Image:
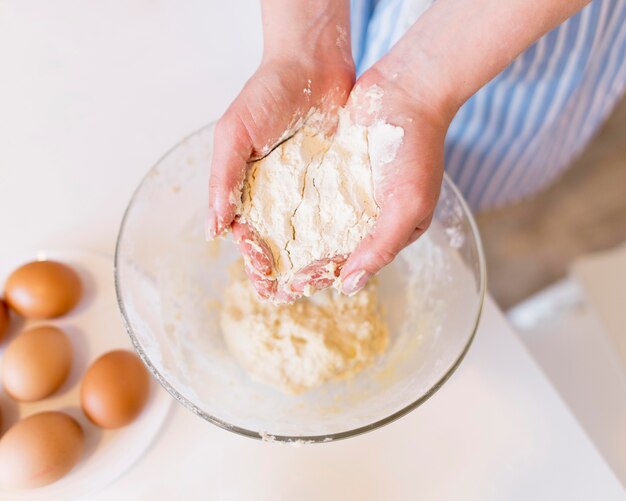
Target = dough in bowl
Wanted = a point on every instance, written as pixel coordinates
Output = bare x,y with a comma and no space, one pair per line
297,347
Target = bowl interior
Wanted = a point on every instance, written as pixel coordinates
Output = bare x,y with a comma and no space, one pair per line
170,281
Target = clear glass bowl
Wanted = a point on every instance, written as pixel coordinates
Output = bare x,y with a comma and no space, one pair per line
169,283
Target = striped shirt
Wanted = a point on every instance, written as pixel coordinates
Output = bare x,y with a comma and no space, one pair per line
520,131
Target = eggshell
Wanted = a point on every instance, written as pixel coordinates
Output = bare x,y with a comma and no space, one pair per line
115,389
39,450
4,320
36,363
43,289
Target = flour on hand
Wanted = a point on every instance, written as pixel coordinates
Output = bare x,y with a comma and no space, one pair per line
313,197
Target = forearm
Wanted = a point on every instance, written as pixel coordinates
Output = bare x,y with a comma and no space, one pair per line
458,46
318,29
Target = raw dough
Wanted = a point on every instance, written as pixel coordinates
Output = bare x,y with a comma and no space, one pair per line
299,346
313,197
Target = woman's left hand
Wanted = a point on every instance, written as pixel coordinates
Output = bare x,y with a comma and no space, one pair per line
407,188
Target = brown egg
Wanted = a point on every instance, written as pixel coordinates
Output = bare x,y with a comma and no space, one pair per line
43,289
36,363
4,320
115,389
39,450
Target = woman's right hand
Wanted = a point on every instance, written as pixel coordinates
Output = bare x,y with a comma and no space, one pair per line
307,64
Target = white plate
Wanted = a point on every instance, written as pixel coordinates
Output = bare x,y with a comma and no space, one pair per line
94,327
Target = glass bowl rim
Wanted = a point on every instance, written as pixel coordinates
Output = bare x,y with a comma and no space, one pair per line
260,435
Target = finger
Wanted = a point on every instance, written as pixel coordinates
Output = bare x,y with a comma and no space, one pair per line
254,249
393,231
317,276
232,148
283,295
417,232
258,261
264,287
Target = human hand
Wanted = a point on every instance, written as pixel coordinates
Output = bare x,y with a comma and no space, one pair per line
449,53
407,188
307,65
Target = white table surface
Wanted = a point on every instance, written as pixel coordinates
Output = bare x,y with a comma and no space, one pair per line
91,94
575,331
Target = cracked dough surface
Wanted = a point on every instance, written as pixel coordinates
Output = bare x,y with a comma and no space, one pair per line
313,197
299,346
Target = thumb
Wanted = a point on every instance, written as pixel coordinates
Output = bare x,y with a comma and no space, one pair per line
232,148
258,261
395,229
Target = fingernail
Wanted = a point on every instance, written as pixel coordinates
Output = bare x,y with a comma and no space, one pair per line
210,228
354,282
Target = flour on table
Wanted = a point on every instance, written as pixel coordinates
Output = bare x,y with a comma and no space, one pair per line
300,346
313,197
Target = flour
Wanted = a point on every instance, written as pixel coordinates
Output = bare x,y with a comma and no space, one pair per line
313,197
307,89
300,346
383,142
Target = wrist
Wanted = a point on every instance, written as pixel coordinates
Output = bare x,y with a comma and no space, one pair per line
425,79
456,47
315,33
